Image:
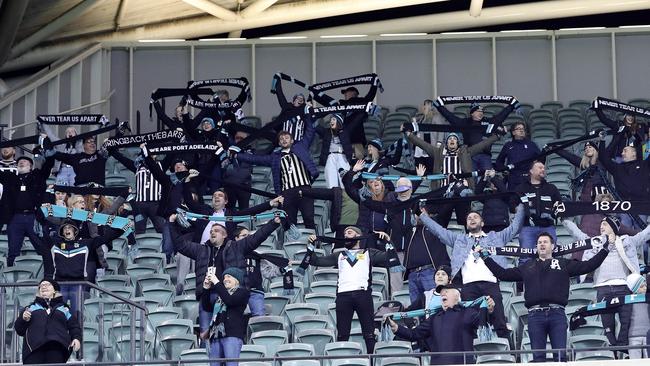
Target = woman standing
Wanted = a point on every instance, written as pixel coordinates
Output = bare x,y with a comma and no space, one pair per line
50,329
227,328
332,155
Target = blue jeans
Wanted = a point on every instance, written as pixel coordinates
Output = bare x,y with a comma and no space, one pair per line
481,162
227,347
20,226
256,303
528,237
65,176
75,295
167,243
551,323
419,282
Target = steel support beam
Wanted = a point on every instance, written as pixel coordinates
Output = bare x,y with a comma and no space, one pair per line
11,14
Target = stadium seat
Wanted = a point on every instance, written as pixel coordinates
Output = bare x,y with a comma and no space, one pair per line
317,337
252,351
350,362
256,363
400,361
140,270
324,286
402,296
188,304
33,262
343,349
301,363
393,347
176,343
588,341
153,280
497,359
304,322
326,274
292,247
293,310
195,354
157,260
294,350
593,327
579,299
269,322
161,294
15,274
91,348
162,314
594,355
277,302
113,281
270,338
321,299
494,344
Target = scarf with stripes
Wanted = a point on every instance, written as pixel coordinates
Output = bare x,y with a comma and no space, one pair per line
608,305
604,103
72,119
158,137
113,221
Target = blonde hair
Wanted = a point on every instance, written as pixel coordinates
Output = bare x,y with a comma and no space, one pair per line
586,162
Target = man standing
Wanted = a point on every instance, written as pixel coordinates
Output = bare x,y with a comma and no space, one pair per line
477,279
610,280
293,170
546,282
519,149
89,165
541,197
449,330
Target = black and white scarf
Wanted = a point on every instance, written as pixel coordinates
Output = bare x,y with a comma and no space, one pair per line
73,119
176,148
569,209
502,99
195,101
158,137
604,103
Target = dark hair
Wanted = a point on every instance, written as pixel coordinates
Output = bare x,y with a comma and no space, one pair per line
239,230
546,234
532,164
225,194
474,211
518,123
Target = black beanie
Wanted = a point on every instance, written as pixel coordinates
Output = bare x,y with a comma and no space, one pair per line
614,223
55,284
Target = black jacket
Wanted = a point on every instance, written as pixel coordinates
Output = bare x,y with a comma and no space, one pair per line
541,198
233,318
451,330
60,325
326,135
546,281
631,179
87,167
9,181
29,198
234,254
423,249
475,136
621,140
495,210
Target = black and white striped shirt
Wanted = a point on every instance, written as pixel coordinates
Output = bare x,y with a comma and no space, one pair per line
293,171
295,126
147,189
9,166
450,165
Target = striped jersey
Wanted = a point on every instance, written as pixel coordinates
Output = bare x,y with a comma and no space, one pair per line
295,126
293,171
450,165
147,189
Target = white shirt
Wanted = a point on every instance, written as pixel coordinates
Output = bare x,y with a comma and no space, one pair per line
206,232
354,278
474,269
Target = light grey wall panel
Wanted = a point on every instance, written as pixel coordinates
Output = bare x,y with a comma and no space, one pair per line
294,60
85,84
120,82
406,71
584,67
633,66
223,62
41,99
524,69
157,68
340,60
64,91
464,67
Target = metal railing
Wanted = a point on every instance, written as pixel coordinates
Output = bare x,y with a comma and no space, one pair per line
143,312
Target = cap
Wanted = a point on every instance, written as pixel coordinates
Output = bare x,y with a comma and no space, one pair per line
447,287
475,107
401,189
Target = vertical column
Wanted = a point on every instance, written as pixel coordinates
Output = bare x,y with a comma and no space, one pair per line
6,117
53,95
254,104
131,116
313,63
554,66
374,65
75,87
96,83
614,76
30,113
494,67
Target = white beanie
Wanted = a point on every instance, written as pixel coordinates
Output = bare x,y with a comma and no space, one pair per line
634,282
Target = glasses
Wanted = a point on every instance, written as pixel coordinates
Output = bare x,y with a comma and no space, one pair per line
519,129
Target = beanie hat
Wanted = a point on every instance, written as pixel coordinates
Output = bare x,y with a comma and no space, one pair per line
25,158
634,282
377,143
598,189
235,272
351,89
69,223
475,107
355,229
298,95
54,284
209,120
444,268
339,120
614,223
452,134
592,144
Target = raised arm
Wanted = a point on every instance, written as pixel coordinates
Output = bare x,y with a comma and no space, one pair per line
573,159
637,240
448,237
427,147
184,245
265,160
576,267
504,274
276,89
605,158
508,233
449,116
128,163
251,242
498,119
606,120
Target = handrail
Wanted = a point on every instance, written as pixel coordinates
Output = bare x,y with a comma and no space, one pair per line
85,283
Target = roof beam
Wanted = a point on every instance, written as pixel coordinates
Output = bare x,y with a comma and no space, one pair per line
475,8
214,9
11,14
53,26
257,7
119,14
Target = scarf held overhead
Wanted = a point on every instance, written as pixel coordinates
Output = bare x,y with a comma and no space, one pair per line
604,103
72,119
115,222
504,99
153,137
